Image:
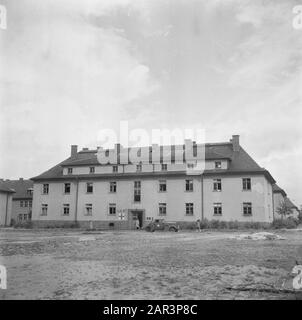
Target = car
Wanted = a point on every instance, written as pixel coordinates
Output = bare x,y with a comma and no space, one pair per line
161,224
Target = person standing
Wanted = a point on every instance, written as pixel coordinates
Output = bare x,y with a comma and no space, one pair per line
198,228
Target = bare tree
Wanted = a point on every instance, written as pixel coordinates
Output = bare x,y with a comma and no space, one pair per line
284,210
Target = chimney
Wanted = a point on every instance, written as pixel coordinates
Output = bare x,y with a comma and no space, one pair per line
235,142
74,151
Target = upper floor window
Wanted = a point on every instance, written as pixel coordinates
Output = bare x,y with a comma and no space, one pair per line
162,209
189,185
88,209
67,188
45,188
92,170
217,208
25,204
69,170
44,209
162,185
138,168
164,167
30,203
217,164
189,209
21,204
217,184
66,209
137,191
246,183
89,187
114,168
113,186
247,208
112,209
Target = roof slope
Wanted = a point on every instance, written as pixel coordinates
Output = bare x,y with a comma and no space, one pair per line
240,161
20,187
277,189
290,204
5,189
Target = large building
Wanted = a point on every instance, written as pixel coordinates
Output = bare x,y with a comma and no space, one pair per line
80,189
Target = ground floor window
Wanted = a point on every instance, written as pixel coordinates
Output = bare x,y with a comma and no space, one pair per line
88,209
189,209
247,208
44,209
23,217
66,209
162,209
112,209
217,209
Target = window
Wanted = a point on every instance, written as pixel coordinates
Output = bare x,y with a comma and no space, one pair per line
113,186
190,165
21,204
218,209
247,208
189,185
112,209
164,167
29,191
162,209
217,184
137,191
88,209
246,183
89,187
45,188
69,170
114,168
67,188
25,204
189,209
66,208
92,170
162,185
138,168
30,203
217,164
44,209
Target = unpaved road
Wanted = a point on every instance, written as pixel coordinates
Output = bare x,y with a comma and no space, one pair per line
68,264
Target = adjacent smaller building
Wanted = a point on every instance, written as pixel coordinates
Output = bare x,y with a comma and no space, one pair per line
22,199
6,197
280,197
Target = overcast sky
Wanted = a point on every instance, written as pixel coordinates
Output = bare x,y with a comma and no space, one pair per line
71,68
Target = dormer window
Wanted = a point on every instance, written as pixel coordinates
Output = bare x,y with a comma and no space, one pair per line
92,170
69,170
217,164
190,165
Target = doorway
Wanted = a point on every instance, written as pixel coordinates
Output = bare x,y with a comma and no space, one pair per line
137,215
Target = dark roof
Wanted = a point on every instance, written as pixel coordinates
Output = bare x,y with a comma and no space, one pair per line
240,163
277,189
289,203
4,188
20,188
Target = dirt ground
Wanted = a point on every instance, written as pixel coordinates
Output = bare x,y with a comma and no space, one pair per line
72,264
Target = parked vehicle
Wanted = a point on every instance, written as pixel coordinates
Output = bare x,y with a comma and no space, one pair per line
160,224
